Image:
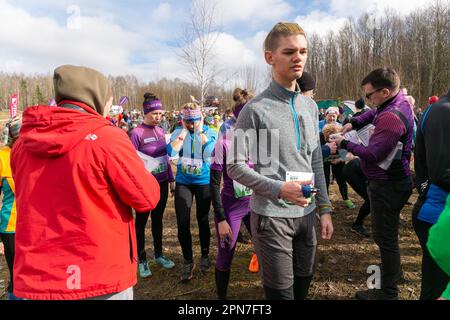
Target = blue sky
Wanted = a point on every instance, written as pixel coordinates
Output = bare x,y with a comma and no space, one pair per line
142,37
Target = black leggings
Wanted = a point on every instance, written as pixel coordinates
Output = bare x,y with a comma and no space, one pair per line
8,243
157,225
434,279
354,176
183,202
337,172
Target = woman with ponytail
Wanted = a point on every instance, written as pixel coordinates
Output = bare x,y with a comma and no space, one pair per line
193,143
149,139
232,205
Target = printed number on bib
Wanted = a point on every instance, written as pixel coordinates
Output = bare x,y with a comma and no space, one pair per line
300,177
191,166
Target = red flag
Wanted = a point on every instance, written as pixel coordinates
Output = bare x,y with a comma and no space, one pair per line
14,103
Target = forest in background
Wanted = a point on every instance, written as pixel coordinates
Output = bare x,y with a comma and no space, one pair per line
416,45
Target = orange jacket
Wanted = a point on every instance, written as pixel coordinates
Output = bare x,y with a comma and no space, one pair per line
77,178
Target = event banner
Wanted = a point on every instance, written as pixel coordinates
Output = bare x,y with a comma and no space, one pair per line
14,103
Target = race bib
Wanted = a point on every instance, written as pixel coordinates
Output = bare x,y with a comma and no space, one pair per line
162,165
298,176
241,191
150,163
191,166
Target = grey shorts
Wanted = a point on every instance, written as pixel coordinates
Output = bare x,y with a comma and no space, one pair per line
286,247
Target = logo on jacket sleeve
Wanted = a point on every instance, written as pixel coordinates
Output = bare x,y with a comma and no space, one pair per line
74,279
91,137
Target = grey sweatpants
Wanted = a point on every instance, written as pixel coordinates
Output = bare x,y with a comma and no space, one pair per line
286,247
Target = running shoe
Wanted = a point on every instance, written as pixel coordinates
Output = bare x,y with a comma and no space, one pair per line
187,271
361,231
165,262
205,263
349,204
144,270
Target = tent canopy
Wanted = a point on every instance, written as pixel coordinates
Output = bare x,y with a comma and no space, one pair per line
325,104
347,105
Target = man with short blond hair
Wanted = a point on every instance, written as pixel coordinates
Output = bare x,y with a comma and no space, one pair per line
283,218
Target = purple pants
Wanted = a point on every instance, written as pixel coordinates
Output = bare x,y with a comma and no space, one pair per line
236,211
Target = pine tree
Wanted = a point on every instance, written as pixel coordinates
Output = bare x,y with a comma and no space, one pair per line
38,97
23,95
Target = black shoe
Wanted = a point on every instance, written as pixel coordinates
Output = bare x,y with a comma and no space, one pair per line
401,279
205,263
222,280
361,231
375,294
187,271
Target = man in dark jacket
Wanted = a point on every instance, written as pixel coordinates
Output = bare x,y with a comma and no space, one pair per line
432,168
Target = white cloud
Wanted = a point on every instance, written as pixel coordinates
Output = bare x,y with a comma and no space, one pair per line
346,8
253,11
163,12
320,22
232,52
31,44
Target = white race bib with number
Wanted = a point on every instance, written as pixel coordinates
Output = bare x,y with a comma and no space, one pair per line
191,166
300,177
150,163
241,191
162,166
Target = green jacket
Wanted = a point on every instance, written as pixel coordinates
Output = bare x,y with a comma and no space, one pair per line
438,243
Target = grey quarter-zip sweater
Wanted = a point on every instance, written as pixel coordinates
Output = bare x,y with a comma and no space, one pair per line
288,122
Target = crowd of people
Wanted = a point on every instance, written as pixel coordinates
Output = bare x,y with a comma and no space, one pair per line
80,181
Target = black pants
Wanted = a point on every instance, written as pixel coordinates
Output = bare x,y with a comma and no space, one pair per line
387,199
8,243
157,225
434,279
354,176
183,202
337,172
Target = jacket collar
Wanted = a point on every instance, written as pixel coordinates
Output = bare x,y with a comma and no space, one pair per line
390,101
282,93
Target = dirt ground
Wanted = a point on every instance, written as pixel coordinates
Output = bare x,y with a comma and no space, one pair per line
341,263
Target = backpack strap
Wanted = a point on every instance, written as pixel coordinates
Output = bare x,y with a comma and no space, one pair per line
424,117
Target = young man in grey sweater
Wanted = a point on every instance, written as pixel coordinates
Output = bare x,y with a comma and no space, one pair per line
283,221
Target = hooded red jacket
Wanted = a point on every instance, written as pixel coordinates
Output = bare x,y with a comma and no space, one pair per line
77,178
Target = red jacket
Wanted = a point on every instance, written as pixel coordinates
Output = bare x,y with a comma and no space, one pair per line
77,178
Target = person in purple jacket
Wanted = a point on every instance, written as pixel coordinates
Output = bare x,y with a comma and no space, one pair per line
386,164
232,205
149,139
